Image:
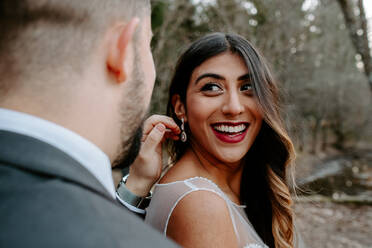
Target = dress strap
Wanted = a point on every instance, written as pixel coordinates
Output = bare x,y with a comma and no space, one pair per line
191,185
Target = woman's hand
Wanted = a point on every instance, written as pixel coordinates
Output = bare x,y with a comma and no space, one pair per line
146,169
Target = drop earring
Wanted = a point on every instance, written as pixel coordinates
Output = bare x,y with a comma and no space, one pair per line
183,136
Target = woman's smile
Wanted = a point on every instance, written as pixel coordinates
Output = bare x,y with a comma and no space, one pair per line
230,132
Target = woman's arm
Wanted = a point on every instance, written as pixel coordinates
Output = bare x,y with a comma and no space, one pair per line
146,169
202,219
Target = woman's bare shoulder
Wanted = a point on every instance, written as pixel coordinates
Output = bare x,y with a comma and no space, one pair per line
202,219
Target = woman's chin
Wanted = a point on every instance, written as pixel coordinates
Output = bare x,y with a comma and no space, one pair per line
231,158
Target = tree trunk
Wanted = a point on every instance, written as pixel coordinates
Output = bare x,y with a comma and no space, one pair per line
324,138
358,31
315,135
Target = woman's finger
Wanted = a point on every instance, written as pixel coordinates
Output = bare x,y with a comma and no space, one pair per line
169,134
154,138
153,120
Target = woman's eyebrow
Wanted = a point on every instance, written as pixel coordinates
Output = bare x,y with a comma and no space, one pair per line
245,77
212,75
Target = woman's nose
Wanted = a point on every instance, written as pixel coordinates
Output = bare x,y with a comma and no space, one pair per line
232,105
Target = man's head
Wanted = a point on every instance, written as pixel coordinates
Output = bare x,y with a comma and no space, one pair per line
85,65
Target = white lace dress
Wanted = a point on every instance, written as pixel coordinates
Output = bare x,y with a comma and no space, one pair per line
166,197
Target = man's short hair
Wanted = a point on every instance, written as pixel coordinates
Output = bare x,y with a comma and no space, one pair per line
44,38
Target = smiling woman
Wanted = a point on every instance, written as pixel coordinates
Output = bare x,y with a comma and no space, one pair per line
227,187
230,119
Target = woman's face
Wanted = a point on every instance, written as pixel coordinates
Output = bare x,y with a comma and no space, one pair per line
221,108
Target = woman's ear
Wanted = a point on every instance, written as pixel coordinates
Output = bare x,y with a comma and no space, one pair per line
179,107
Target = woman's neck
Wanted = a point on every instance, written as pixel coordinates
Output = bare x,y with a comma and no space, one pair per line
226,176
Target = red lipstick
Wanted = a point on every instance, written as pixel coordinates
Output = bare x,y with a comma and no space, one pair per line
231,137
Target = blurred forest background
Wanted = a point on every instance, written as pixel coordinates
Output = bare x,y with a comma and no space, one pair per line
320,54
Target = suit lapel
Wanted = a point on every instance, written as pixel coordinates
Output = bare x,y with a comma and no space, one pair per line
35,156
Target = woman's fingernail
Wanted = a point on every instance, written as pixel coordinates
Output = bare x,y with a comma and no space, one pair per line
160,127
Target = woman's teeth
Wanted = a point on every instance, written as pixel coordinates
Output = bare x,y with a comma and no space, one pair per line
230,129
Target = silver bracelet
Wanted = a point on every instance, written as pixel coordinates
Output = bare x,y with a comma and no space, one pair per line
128,197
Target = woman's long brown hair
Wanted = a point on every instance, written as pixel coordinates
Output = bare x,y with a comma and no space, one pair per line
264,189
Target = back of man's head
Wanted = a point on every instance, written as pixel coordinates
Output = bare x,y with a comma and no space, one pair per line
43,41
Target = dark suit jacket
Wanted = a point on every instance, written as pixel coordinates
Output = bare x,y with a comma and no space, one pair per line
47,199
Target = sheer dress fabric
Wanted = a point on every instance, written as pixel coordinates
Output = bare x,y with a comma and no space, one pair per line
166,197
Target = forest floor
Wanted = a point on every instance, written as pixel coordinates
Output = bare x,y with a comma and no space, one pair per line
334,225
323,222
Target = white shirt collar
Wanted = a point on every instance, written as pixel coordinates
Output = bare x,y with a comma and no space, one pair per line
80,149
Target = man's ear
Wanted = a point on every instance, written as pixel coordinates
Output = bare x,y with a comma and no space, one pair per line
179,107
118,48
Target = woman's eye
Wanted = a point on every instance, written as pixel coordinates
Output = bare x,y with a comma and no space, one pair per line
211,87
246,87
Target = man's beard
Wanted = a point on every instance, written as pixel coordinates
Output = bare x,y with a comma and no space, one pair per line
133,112
125,159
